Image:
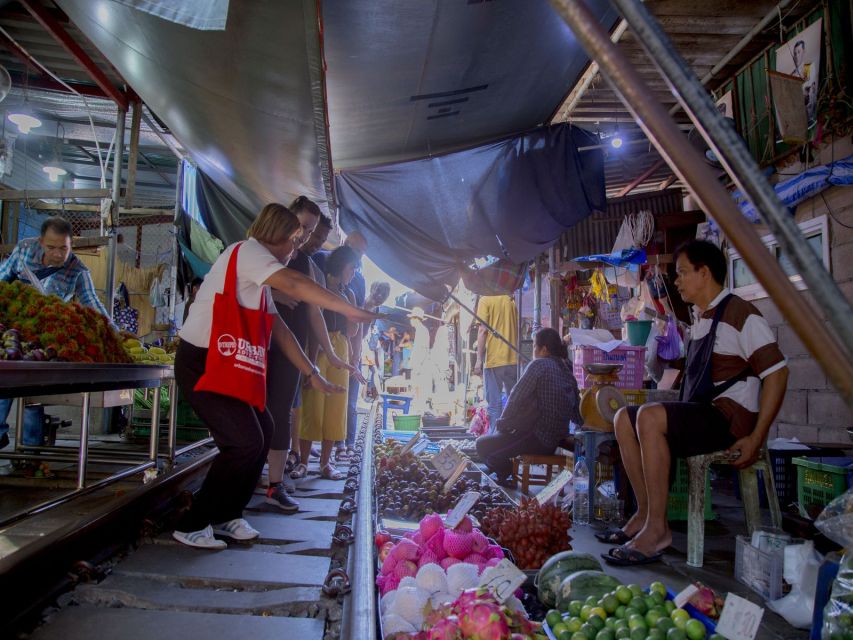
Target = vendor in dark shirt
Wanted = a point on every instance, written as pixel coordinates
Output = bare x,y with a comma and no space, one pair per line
539,409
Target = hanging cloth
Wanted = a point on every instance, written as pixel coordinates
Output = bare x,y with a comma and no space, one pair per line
236,364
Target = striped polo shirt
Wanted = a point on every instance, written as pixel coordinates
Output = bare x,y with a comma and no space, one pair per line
744,340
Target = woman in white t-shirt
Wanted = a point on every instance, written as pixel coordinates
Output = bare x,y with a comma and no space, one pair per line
241,431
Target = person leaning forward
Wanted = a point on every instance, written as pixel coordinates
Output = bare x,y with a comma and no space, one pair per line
242,430
734,383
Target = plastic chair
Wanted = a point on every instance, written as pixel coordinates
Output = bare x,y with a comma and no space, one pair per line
697,468
391,401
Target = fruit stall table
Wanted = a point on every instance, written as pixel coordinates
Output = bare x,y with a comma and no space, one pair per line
32,380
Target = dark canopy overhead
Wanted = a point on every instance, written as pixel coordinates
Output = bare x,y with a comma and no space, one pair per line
426,220
412,79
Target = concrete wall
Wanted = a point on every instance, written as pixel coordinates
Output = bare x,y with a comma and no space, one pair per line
813,410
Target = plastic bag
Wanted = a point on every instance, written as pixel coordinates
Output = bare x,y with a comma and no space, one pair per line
801,566
479,424
836,522
669,344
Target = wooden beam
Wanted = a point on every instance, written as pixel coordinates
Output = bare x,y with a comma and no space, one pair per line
37,194
55,29
628,188
94,208
666,184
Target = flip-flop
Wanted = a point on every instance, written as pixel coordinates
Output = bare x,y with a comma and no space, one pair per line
627,557
613,535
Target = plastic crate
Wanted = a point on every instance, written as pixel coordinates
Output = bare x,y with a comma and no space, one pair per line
759,570
632,358
820,480
677,504
407,422
785,471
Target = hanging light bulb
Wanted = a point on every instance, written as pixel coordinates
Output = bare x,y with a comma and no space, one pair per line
54,172
616,141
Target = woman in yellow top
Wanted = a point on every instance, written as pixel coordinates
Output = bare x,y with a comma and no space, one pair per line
324,417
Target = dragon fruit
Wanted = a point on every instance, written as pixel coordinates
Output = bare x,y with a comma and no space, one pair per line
417,538
405,568
479,542
447,629
484,620
458,545
405,550
492,562
429,525
449,562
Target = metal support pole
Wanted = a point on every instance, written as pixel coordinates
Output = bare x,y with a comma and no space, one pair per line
688,165
118,153
173,420
154,441
554,289
537,295
19,424
83,460
489,327
519,294
733,153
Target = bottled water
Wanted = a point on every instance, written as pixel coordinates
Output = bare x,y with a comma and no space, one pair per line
581,481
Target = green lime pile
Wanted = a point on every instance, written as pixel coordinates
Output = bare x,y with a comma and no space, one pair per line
627,613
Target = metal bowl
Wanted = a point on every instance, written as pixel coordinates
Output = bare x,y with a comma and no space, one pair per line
602,369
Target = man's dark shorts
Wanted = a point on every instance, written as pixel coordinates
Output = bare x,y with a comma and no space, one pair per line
692,428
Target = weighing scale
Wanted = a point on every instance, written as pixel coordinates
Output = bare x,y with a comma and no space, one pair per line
601,401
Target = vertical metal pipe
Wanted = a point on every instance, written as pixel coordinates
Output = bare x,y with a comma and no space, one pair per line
19,423
173,275
154,441
688,165
519,325
729,147
118,154
537,295
83,459
173,420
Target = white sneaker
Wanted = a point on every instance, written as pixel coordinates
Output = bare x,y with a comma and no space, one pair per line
238,529
200,539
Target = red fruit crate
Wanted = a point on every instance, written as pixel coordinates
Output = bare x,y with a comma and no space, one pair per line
632,360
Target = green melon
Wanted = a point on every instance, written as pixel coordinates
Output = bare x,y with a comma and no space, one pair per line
558,567
583,584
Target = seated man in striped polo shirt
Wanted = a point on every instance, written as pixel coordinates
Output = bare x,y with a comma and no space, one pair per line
733,385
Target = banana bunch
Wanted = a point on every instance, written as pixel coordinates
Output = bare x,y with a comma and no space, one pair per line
147,355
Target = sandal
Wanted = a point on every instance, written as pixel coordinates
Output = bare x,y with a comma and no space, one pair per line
299,472
341,454
613,535
627,557
292,461
330,473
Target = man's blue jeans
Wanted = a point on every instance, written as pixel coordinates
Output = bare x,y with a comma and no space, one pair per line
498,379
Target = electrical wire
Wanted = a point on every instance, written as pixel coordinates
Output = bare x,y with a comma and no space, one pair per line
641,226
72,90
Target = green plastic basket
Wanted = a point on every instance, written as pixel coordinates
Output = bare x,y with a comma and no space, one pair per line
820,480
676,508
407,423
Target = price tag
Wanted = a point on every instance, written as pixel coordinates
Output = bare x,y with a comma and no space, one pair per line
454,476
684,597
502,579
740,618
411,444
420,446
554,487
447,461
462,507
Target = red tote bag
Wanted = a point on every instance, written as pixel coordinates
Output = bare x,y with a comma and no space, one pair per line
236,364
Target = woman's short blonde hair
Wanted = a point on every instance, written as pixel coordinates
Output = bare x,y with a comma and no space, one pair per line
275,224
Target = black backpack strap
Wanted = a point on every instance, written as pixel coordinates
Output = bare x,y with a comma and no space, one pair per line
721,388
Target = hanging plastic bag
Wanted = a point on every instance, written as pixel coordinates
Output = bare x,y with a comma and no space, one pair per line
836,522
801,566
669,343
622,276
